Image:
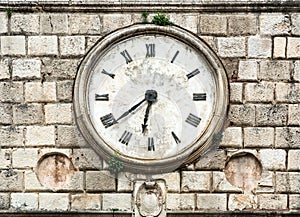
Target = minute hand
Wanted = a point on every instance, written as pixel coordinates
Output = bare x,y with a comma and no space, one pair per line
131,110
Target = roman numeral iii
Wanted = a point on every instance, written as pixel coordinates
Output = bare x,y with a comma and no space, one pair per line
126,55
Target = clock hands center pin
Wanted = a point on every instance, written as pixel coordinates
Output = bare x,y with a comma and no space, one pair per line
150,96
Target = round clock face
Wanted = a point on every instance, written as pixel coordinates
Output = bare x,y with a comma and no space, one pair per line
153,95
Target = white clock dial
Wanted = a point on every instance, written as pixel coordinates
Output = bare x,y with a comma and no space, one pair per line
150,97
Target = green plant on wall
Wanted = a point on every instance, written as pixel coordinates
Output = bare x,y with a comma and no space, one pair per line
115,165
145,17
9,12
161,20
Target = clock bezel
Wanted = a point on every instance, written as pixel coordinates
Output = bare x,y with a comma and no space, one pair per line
80,98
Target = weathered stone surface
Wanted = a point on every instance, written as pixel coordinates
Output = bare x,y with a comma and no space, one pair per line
259,47
293,160
259,137
54,23
24,201
195,181
85,24
294,114
5,158
40,92
72,45
287,182
180,202
25,23
294,201
289,93
296,75
276,70
86,158
86,202
40,136
287,137
11,92
242,114
272,201
27,114
69,136
125,182
13,45
121,201
212,160
115,21
3,22
273,159
54,201
271,115
4,68
26,68
232,137
295,24
274,24
58,113
11,136
100,181
232,47
5,114
279,47
59,68
65,90
19,161
236,92
189,21
31,181
4,201
172,181
242,24
293,47
242,201
42,45
212,202
259,92
220,183
11,180
213,24
248,70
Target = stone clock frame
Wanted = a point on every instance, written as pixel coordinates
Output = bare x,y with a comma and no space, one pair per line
164,165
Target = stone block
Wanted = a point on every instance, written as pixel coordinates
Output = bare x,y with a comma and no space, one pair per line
289,93
65,90
58,113
195,181
59,68
273,159
212,160
294,201
259,92
76,183
25,23
242,24
24,201
42,45
11,180
54,23
262,137
11,92
232,137
212,202
11,136
13,45
242,202
85,24
54,201
114,21
4,200
26,68
180,202
5,158
3,24
274,24
72,45
40,136
125,182
295,24
5,114
220,183
232,47
189,21
86,158
287,137
274,70
91,41
213,24
100,181
121,201
172,181
259,47
24,158
4,67
293,47
40,92
86,202
293,160
287,182
279,47
27,114
68,136
242,115
272,201
236,92
296,75
294,114
271,115
248,70
31,181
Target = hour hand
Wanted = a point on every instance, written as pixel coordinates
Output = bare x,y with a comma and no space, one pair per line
130,110
144,126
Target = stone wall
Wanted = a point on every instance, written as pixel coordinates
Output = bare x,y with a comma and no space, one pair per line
257,165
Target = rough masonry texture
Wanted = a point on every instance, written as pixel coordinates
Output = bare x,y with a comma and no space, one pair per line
40,50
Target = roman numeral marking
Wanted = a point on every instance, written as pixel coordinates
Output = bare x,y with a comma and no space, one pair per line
193,73
108,120
109,74
177,140
174,57
150,50
126,55
125,138
193,120
151,144
199,96
103,97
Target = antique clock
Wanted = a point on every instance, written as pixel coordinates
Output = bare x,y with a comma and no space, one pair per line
155,96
